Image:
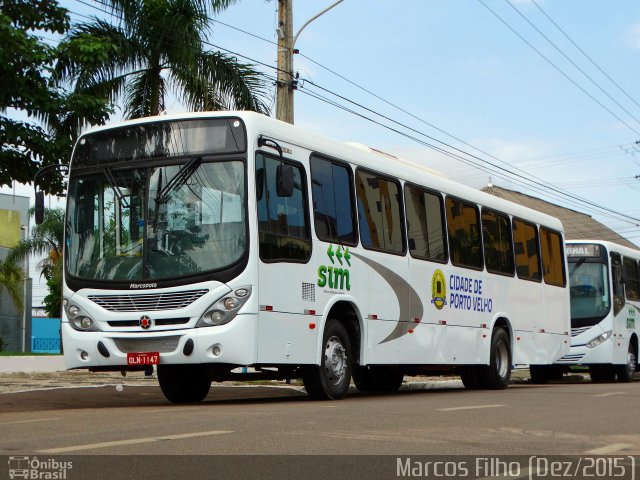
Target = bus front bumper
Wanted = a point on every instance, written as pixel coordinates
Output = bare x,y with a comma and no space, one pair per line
233,343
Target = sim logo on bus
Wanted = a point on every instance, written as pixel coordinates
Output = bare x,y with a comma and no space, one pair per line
335,276
438,289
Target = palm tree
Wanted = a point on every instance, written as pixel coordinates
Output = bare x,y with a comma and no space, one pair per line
46,239
155,46
12,279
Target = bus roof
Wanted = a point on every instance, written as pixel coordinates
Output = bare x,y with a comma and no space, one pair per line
382,162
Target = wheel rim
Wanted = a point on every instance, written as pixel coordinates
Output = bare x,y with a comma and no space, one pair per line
502,359
631,361
335,360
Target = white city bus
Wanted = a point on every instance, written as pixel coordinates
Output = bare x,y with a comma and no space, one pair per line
207,242
604,283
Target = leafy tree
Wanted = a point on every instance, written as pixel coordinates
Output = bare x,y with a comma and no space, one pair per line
153,46
12,279
46,238
54,116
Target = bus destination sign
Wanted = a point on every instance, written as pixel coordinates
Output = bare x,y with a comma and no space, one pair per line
583,250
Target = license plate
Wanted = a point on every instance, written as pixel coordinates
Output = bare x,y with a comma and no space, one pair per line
143,358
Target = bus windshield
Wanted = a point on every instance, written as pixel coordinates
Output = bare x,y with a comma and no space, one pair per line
156,222
590,296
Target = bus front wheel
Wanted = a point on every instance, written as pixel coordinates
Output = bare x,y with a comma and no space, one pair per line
602,373
330,380
184,383
625,372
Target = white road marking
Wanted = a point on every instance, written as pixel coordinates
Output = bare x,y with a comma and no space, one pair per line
607,449
472,407
131,441
609,394
33,420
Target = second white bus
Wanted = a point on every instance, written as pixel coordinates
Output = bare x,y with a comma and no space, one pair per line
604,282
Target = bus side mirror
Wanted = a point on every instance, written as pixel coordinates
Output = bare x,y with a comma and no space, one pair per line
284,180
39,207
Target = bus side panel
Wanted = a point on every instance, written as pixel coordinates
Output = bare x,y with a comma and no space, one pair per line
285,333
624,326
557,339
387,305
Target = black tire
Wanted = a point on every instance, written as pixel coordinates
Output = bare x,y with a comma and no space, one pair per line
330,380
469,377
602,373
540,374
387,379
184,383
625,372
378,378
362,379
496,375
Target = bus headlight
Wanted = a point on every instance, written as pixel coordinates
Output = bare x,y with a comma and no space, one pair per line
225,309
78,319
599,339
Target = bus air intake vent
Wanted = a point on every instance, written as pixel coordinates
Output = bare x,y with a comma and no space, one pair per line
161,344
308,292
147,302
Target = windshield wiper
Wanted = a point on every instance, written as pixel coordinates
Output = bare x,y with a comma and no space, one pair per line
178,180
576,266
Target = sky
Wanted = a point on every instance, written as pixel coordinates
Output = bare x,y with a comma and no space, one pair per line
474,74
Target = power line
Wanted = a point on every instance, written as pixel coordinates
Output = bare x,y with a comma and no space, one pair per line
584,53
570,60
504,22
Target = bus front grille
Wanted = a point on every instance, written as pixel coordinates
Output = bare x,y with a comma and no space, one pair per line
147,302
160,344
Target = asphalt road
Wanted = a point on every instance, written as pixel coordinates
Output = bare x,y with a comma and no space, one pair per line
578,419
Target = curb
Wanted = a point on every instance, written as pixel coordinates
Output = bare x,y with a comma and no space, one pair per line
32,364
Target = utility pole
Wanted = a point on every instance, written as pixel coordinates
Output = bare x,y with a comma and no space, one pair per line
286,82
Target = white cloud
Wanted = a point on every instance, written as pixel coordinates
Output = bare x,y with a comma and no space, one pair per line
633,36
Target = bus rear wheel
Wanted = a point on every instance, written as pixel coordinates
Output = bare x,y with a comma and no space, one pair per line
184,383
625,372
330,380
378,378
496,375
469,377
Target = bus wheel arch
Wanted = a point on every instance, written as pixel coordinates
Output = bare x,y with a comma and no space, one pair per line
497,374
338,353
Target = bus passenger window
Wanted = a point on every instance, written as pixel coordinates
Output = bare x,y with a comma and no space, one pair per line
380,215
333,203
525,243
498,249
282,220
632,279
552,257
463,227
425,224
